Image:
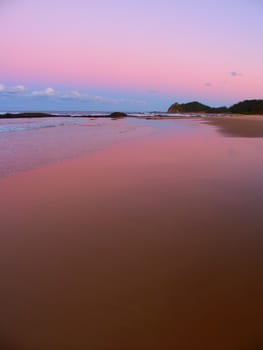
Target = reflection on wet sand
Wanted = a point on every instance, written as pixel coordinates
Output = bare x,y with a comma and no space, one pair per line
155,244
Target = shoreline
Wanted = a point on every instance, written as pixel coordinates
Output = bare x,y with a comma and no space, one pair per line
43,141
161,115
33,143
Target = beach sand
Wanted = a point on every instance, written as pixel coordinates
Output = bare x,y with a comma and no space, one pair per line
238,125
152,244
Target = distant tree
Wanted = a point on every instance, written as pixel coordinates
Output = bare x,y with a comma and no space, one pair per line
191,107
243,107
223,109
248,107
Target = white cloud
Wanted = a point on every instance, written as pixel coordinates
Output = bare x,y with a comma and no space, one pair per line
71,95
76,95
47,92
83,97
50,92
19,88
16,89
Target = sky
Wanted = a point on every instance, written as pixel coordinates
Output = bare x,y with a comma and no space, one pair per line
129,55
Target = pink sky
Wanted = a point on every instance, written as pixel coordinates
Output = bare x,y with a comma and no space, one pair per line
181,49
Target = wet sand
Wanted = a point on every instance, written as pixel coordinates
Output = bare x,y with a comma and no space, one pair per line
37,142
238,125
150,244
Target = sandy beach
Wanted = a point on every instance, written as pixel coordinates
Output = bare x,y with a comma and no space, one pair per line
149,243
131,175
238,125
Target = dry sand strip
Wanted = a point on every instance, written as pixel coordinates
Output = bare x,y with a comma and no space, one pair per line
238,125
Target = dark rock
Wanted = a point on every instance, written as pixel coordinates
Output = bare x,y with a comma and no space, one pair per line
175,108
26,115
118,115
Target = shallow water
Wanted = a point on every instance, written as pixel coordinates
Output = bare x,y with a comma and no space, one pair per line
152,243
29,143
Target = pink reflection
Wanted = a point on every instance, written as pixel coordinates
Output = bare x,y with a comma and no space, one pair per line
140,244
